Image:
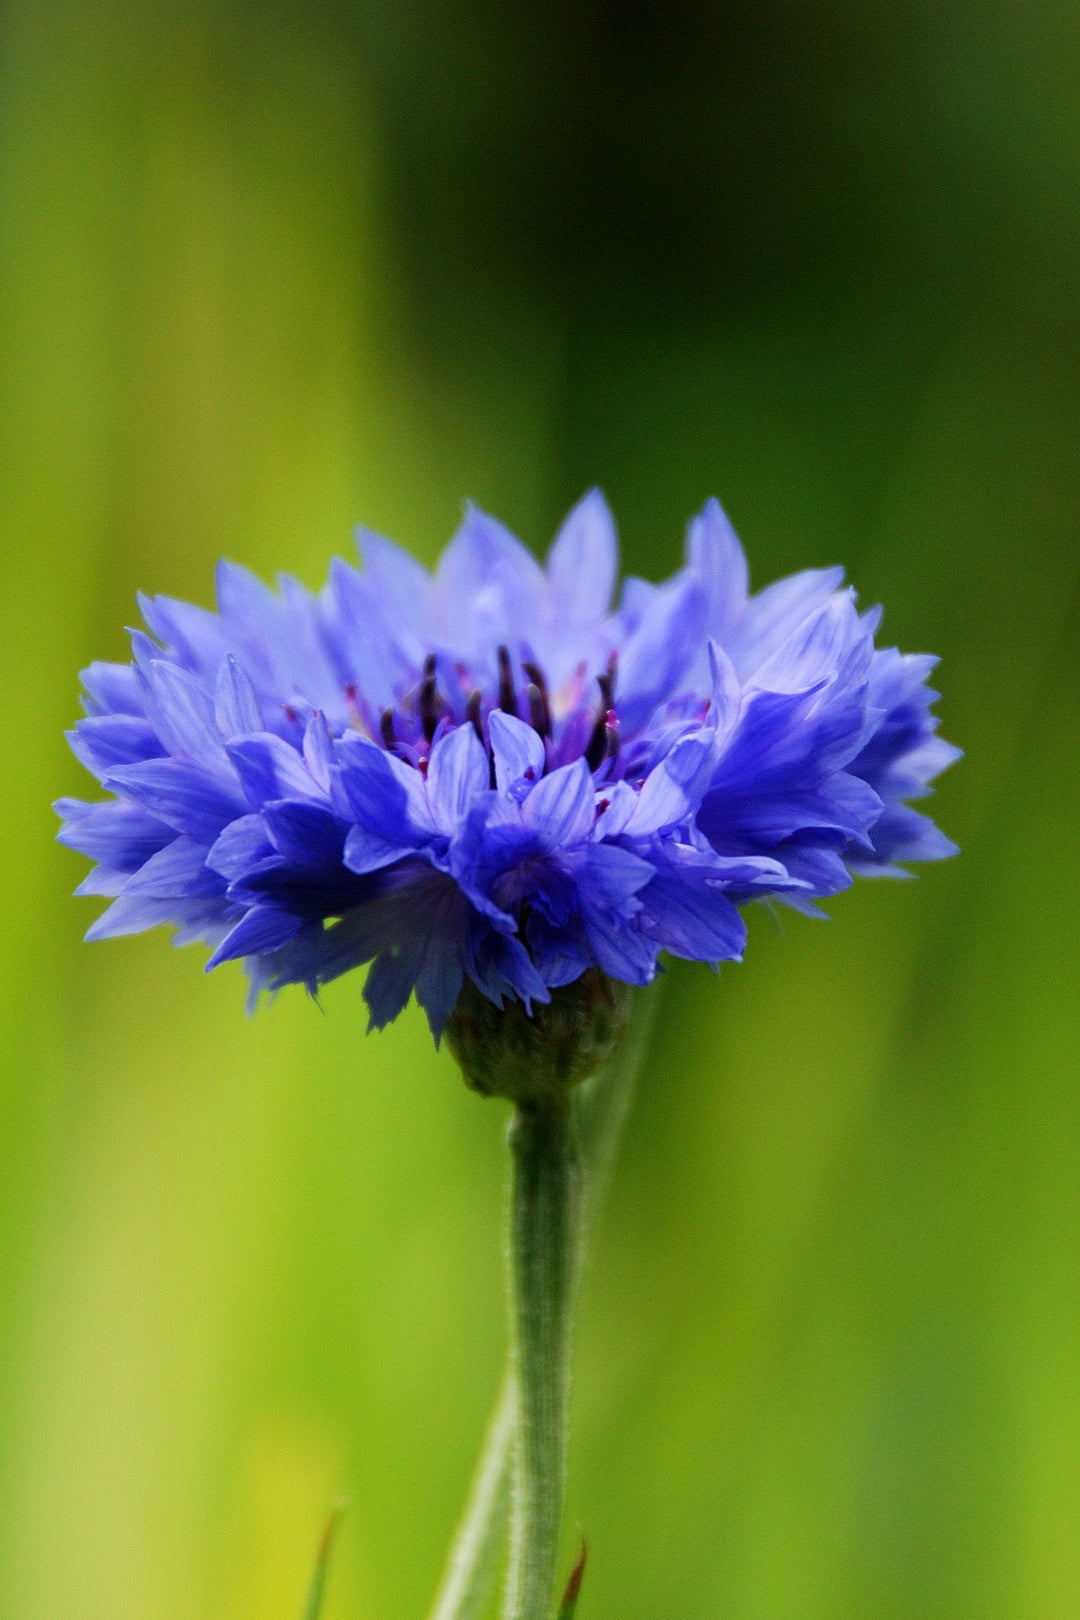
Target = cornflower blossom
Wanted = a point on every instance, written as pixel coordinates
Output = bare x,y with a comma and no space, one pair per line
490,773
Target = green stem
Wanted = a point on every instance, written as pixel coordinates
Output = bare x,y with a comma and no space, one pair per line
602,1105
544,1227
471,1569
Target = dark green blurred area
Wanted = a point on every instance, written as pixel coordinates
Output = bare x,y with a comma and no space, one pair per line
270,270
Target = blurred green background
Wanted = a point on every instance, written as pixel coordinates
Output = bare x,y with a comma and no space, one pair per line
271,269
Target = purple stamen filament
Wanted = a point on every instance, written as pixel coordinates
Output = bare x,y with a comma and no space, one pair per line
410,730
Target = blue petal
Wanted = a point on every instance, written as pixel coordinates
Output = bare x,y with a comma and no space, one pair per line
183,794
400,584
112,689
675,788
620,948
130,915
318,955
785,740
328,891
105,740
430,964
661,649
391,981
319,751
621,804
194,633
439,981
181,711
243,600
374,652
102,881
120,835
843,804
516,749
418,910
560,809
610,878
144,651
814,650
688,918
774,613
500,966
204,922
366,852
179,871
822,872
726,693
488,589
582,564
752,877
713,549
241,846
458,771
270,768
902,759
560,955
236,707
486,853
902,834
135,913
547,887
307,835
382,793
262,930
423,923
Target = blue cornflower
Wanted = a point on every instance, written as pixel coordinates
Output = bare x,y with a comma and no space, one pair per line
490,773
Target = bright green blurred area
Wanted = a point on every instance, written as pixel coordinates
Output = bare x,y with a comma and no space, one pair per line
269,270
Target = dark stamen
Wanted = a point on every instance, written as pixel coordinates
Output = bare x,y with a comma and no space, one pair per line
429,698
596,752
538,710
543,708
507,697
472,713
386,729
604,737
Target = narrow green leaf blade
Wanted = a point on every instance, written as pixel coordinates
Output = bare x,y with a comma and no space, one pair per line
573,1586
313,1606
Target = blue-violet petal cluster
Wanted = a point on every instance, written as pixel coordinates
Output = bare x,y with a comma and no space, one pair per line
491,772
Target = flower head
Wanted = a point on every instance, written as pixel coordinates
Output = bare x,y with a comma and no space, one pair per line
491,774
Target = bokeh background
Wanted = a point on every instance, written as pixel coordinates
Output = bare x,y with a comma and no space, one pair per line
271,269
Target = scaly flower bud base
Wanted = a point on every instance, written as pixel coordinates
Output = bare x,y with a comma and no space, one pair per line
503,1052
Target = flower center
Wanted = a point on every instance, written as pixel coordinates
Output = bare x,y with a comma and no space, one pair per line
446,697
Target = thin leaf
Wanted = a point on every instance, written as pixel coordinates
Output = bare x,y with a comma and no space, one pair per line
470,1573
573,1586
313,1607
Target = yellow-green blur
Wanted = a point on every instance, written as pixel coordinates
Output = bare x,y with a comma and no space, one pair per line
267,270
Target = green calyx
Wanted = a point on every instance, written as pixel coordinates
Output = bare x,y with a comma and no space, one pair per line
503,1052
